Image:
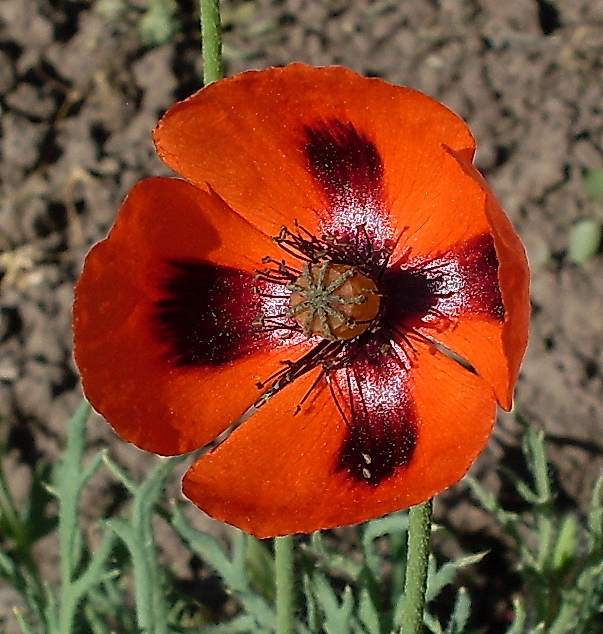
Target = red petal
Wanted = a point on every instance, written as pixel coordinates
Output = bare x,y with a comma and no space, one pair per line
267,141
514,282
494,347
281,472
135,370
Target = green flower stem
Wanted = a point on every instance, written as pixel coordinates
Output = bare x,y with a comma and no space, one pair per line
211,41
419,531
285,604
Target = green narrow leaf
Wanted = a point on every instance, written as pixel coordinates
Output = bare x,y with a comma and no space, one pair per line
259,562
595,516
96,567
388,525
535,453
519,620
368,612
120,474
98,625
399,547
394,525
37,517
431,623
490,503
137,534
144,575
347,607
8,569
68,487
312,611
106,600
338,621
446,574
203,544
565,621
565,548
327,560
234,573
460,613
336,615
24,528
325,596
11,523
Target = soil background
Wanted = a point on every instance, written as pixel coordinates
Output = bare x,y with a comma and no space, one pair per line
83,83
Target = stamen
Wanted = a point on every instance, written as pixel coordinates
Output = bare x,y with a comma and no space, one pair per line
335,296
355,249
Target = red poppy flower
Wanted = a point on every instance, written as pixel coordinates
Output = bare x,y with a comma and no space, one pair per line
333,264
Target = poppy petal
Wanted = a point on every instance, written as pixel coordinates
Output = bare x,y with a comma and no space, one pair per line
513,281
163,318
299,475
313,145
468,273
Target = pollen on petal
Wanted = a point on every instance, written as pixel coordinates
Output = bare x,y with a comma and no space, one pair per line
206,314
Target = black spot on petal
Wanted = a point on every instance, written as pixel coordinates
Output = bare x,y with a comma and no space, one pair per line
345,163
478,266
409,295
206,314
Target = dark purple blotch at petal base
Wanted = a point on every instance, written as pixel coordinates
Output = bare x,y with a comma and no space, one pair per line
206,315
462,281
372,394
478,266
345,163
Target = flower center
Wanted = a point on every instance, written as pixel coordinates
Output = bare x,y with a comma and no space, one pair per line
333,301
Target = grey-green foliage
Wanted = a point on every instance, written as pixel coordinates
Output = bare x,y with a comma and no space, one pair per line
337,593
90,594
560,556
53,610
119,584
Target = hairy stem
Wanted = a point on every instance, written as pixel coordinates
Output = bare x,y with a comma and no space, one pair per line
211,41
285,604
419,530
